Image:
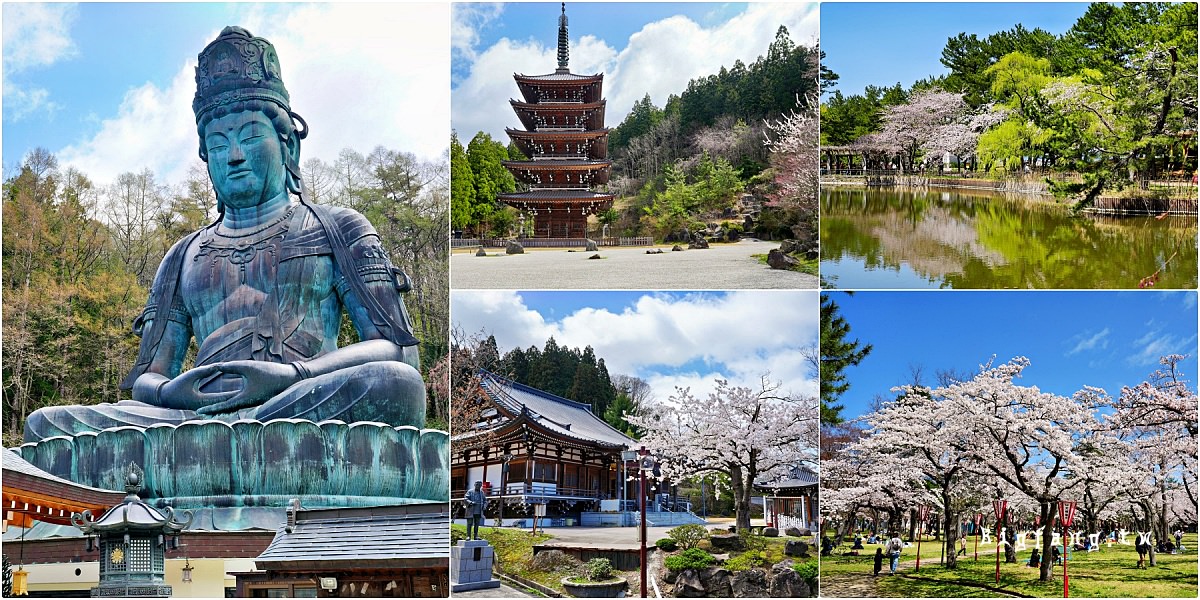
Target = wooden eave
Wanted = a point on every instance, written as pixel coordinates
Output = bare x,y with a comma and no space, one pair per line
28,498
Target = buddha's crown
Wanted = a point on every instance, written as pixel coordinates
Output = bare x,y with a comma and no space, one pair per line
236,67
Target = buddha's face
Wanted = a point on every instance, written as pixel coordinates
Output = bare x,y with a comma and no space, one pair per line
245,159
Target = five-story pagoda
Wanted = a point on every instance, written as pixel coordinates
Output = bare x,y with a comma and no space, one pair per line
567,143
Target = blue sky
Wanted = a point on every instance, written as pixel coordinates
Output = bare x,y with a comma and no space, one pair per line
107,87
686,339
642,48
1072,339
885,43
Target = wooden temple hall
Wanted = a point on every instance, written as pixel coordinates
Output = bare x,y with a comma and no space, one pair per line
533,448
567,145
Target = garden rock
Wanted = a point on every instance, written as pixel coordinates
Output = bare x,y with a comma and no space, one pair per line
716,582
591,246
688,585
481,252
698,244
676,248
789,246
796,548
781,261
813,253
594,257
513,247
750,584
794,532
787,583
553,561
726,542
770,532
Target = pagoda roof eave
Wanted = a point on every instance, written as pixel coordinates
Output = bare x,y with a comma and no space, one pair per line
554,165
559,105
587,133
559,78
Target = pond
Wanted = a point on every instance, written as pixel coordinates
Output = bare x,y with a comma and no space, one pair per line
905,238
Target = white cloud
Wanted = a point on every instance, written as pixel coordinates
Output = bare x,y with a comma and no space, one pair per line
1158,342
465,22
659,59
356,80
35,35
672,340
1099,340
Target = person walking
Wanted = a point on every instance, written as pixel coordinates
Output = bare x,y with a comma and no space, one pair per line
878,560
893,548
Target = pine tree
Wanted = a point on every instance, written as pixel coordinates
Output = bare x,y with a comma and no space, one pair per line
836,355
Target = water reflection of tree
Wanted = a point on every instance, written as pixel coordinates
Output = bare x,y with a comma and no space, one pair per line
992,241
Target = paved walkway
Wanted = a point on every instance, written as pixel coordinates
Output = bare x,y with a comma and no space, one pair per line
503,591
614,538
720,267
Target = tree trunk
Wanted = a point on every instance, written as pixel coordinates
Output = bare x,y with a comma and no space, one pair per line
741,498
1046,510
912,525
950,525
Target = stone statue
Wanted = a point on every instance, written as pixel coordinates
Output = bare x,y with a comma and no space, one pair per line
263,289
474,500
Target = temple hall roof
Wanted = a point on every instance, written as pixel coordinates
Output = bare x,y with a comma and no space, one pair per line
407,536
565,417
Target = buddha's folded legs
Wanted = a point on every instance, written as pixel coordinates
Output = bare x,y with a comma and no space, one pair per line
73,420
386,392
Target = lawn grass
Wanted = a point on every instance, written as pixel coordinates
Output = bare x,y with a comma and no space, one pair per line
1107,573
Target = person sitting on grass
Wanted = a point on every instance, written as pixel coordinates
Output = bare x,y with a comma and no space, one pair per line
1055,555
858,543
826,546
1035,559
878,561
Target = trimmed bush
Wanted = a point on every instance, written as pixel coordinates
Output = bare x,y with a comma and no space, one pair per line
692,558
667,545
688,536
598,569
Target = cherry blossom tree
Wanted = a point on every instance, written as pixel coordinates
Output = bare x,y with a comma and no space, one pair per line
794,141
746,434
912,126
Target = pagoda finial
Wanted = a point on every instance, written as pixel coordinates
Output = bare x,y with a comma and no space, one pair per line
563,41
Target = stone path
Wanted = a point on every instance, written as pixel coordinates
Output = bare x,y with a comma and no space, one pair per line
720,267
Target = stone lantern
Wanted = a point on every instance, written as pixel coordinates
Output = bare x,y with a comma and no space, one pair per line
133,538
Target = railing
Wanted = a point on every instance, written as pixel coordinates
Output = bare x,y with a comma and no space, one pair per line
535,489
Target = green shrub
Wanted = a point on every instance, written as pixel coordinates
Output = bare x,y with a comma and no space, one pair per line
667,544
687,536
746,561
598,569
807,570
692,558
752,541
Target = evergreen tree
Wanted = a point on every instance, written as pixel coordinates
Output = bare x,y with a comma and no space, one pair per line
837,353
462,186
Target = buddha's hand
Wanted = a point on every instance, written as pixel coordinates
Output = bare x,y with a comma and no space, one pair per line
261,381
184,390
